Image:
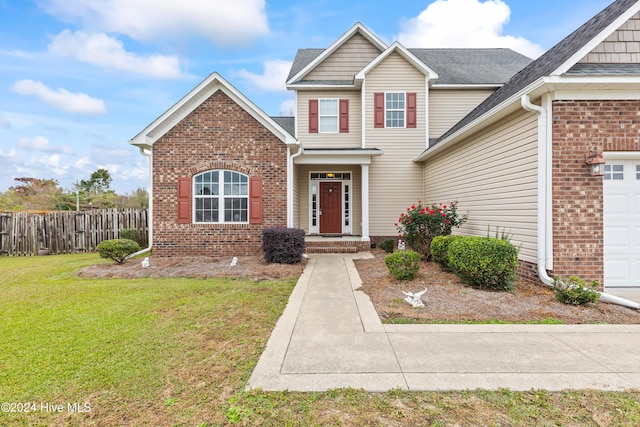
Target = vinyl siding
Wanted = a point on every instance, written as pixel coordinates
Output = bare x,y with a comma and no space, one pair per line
346,61
448,107
352,139
621,47
493,175
395,182
304,200
296,196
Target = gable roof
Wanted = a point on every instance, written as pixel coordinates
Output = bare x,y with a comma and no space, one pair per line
303,70
558,57
406,54
213,83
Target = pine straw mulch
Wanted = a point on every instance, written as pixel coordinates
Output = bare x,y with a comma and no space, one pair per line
251,267
447,299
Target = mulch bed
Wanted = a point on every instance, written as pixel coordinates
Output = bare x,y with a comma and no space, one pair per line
447,299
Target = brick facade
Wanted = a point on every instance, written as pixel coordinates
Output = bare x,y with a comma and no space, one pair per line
218,134
578,231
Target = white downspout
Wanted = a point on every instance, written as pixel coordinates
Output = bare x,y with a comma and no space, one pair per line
543,179
290,183
148,154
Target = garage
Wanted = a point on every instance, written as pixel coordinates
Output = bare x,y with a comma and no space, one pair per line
622,220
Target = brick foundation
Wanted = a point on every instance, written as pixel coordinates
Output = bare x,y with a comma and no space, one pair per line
218,134
579,126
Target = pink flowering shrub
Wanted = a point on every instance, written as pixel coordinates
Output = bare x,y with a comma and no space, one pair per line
421,223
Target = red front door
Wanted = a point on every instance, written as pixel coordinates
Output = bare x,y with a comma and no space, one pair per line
331,207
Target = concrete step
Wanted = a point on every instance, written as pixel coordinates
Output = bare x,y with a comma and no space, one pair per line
331,249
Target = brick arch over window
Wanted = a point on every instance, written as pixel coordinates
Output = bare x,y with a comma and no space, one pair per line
221,164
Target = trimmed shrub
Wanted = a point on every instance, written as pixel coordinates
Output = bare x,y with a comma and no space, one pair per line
440,250
421,223
388,245
132,234
117,249
283,245
575,292
484,262
403,265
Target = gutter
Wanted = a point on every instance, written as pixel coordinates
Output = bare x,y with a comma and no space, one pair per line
544,202
148,153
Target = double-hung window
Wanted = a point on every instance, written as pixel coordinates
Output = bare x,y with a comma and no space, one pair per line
221,196
395,110
394,107
328,115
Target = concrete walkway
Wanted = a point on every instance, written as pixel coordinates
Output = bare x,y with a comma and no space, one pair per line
330,336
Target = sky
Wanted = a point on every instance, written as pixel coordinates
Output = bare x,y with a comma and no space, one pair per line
80,78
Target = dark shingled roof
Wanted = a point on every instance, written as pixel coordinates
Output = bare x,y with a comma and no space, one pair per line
454,66
302,59
472,66
587,69
287,123
547,63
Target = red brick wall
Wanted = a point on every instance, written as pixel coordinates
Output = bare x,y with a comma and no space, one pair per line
218,134
579,126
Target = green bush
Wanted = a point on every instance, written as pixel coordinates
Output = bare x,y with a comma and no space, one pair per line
132,234
117,249
484,262
440,250
388,245
575,292
403,265
421,223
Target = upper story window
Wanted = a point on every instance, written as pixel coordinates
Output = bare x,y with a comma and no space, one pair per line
220,196
328,115
394,109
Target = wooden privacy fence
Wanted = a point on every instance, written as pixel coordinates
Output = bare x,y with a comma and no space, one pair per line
63,232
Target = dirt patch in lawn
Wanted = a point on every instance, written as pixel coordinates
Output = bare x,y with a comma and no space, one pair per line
252,267
448,300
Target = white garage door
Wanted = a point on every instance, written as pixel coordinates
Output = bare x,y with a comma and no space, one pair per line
622,223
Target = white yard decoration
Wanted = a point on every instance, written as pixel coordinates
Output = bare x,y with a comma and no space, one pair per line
401,245
234,261
145,262
415,299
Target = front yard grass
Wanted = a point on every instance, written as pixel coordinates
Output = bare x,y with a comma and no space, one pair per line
178,352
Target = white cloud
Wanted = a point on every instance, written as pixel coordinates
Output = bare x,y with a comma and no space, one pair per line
42,144
464,23
61,99
274,76
4,122
225,22
288,108
107,52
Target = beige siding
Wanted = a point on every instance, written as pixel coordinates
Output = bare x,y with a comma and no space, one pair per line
296,196
447,107
346,61
330,140
395,182
621,47
493,175
356,194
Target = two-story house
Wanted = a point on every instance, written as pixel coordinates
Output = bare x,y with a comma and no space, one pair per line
377,127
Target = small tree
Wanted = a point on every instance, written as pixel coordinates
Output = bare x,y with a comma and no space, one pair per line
421,223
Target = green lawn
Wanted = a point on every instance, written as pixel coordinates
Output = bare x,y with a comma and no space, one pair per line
165,352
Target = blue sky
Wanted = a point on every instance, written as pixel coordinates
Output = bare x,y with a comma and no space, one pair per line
80,78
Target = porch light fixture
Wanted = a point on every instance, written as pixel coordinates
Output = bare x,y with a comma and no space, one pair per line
595,160
331,175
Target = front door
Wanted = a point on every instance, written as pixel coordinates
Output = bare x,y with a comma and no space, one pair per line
331,207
